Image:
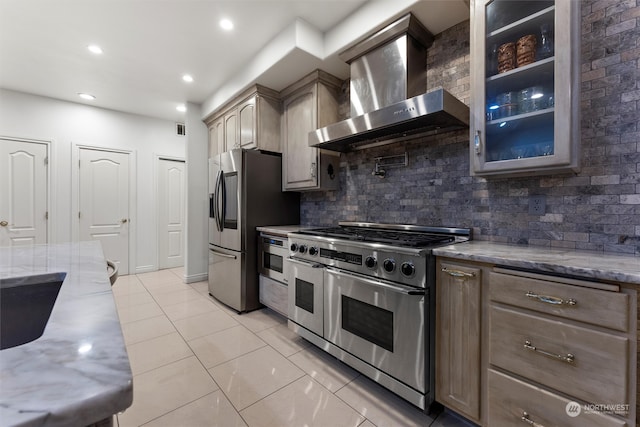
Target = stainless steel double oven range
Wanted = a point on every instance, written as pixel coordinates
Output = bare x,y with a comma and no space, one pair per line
365,293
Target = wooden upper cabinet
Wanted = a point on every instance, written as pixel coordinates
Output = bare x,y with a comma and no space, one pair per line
309,104
525,84
216,138
251,120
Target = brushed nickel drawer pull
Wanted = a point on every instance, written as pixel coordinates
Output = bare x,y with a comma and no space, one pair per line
457,273
525,418
569,358
551,300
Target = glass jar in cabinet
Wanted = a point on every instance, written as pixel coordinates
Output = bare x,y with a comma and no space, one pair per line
525,91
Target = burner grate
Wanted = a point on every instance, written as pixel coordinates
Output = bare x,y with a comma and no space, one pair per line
398,238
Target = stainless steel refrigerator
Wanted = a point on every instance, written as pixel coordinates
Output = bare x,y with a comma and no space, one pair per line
245,191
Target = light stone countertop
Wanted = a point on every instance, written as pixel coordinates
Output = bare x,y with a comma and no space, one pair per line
586,264
77,373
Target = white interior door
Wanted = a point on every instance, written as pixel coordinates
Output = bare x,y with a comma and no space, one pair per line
23,192
104,203
171,209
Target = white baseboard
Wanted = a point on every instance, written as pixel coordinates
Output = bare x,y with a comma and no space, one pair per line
192,278
146,269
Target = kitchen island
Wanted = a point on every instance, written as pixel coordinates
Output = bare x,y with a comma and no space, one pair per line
77,373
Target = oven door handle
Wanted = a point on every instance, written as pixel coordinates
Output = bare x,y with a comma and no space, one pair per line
306,263
401,289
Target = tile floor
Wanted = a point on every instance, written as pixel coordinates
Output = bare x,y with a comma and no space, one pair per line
197,363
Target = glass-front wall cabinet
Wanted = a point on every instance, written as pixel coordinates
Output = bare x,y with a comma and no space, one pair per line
525,91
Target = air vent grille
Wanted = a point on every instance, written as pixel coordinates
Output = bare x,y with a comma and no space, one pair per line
181,129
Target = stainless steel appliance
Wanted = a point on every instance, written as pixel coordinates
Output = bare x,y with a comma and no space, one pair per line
365,293
245,191
387,84
273,263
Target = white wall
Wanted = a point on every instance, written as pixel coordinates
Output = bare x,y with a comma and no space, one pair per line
66,124
196,262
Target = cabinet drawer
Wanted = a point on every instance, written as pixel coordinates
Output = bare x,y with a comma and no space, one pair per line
540,349
597,307
510,399
274,295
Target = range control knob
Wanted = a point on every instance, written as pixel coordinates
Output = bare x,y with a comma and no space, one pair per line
313,250
370,262
408,269
389,265
294,247
302,249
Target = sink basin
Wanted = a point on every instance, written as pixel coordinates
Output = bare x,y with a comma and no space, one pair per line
25,307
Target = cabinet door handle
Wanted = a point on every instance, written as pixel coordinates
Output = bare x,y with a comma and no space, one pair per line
525,419
3,223
569,358
477,143
457,273
551,300
313,170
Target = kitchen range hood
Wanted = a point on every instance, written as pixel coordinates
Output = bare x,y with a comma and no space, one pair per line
388,103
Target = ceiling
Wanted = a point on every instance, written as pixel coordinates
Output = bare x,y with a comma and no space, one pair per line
149,44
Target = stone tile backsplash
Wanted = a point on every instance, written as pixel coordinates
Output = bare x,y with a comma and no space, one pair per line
596,209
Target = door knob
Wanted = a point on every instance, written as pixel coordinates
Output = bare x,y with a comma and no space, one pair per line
4,223
123,220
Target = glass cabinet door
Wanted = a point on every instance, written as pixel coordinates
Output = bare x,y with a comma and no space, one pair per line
518,123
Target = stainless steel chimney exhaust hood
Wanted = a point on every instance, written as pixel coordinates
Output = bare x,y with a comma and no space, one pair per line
388,78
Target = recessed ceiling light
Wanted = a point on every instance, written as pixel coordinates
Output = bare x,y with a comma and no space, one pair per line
86,96
94,48
187,78
182,108
226,24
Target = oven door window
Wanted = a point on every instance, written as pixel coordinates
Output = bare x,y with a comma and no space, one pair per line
273,262
304,295
367,321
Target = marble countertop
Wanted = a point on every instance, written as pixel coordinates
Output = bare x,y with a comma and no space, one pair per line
586,264
281,230
77,372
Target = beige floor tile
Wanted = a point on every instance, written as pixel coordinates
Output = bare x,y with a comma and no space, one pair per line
225,345
189,308
323,368
162,287
178,271
158,277
127,285
380,406
147,355
158,392
249,378
204,324
146,329
301,403
283,339
212,410
200,287
165,299
139,312
130,300
262,319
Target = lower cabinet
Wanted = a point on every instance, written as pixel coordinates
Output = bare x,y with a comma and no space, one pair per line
526,348
458,293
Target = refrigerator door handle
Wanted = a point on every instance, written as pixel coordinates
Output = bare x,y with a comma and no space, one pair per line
223,188
223,255
216,202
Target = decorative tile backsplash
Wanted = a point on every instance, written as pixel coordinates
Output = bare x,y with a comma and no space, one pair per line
596,209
